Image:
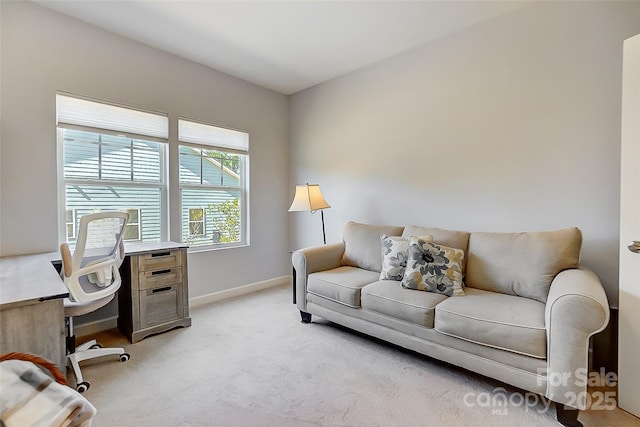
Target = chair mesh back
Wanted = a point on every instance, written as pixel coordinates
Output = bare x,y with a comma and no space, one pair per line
96,258
102,237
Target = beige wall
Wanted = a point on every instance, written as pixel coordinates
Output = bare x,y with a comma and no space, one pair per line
511,125
43,51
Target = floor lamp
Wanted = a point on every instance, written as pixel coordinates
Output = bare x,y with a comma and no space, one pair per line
309,198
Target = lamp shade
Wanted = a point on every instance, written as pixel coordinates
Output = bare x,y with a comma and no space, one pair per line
308,198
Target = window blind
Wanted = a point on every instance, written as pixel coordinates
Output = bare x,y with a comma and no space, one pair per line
96,115
199,133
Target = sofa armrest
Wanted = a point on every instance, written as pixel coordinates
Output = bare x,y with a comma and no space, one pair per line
576,308
310,260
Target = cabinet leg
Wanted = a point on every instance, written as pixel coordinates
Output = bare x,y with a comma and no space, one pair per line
306,317
567,416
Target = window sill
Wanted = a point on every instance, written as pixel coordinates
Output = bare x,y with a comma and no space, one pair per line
209,248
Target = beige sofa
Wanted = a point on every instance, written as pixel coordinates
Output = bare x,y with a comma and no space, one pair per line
525,318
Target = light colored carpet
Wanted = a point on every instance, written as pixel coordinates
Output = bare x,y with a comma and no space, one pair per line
249,361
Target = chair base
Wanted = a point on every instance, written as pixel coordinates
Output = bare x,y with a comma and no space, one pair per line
90,350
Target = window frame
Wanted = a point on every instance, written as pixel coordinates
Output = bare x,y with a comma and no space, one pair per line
161,184
70,114
73,224
129,224
242,188
202,221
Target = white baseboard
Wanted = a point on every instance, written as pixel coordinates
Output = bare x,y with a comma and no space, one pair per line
240,290
94,327
90,328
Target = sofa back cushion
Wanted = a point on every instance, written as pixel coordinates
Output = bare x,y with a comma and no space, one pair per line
362,244
522,264
450,238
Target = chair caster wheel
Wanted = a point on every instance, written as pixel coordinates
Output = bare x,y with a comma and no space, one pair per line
124,357
82,387
96,346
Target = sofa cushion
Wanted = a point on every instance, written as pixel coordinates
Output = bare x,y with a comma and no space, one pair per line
450,238
395,250
433,268
390,298
362,244
342,284
521,264
496,320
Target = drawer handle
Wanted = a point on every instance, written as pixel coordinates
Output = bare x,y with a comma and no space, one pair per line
159,272
160,254
158,290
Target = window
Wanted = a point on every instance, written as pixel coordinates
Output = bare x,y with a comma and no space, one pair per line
196,222
112,158
70,223
213,176
132,229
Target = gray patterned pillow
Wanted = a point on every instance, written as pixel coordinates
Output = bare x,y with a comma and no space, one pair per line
433,268
394,256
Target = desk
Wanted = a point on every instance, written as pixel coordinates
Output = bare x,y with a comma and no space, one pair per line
153,298
32,307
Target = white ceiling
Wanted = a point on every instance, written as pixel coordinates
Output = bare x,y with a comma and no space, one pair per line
286,46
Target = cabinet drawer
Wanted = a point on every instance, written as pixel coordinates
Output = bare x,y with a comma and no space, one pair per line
160,305
159,260
153,279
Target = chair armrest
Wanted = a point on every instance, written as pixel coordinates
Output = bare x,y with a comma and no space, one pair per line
310,260
76,291
576,308
67,260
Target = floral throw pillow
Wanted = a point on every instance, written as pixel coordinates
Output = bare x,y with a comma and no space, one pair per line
433,268
394,256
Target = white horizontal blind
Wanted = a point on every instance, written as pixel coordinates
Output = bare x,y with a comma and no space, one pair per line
198,133
97,115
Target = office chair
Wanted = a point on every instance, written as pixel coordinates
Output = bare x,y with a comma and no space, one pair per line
92,277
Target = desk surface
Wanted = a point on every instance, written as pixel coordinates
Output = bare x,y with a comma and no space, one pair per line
27,278
137,248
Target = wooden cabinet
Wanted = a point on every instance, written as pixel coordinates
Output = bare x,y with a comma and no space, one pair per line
154,296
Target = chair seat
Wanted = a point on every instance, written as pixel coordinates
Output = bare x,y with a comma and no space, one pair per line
73,308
